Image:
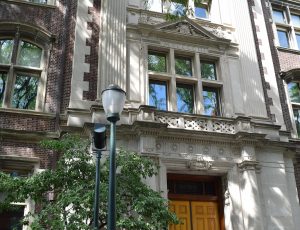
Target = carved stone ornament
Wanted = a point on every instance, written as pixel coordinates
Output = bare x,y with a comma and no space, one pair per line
249,166
185,28
198,163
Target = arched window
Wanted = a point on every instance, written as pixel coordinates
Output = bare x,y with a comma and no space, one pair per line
22,71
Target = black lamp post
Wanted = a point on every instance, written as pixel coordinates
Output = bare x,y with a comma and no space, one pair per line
99,143
113,99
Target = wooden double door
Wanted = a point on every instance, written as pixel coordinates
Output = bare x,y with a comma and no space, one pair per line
195,215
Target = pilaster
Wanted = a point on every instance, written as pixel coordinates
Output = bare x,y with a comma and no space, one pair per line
112,57
251,207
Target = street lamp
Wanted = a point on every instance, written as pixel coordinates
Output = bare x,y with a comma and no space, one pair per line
113,100
99,143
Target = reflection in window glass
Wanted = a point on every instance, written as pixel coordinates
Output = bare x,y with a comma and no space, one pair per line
183,66
158,95
185,98
157,62
208,71
294,91
211,101
25,91
201,12
278,16
176,8
30,55
295,20
297,120
298,40
153,5
38,1
6,48
283,38
3,78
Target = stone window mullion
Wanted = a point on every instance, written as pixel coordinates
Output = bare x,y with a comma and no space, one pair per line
198,88
172,85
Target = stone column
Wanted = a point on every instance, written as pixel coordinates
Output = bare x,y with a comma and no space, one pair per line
112,57
251,207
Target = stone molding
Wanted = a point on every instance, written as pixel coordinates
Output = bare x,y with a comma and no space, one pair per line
249,165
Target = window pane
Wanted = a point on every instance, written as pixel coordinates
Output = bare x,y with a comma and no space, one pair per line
3,78
176,8
39,1
298,40
158,95
183,66
185,98
25,91
154,5
211,103
283,38
294,92
208,71
157,62
30,55
201,12
295,20
6,48
297,120
278,16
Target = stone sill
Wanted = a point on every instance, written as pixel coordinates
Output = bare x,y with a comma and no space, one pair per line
288,50
33,4
27,112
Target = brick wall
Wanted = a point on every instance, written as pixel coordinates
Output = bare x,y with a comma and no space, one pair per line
60,24
12,147
288,60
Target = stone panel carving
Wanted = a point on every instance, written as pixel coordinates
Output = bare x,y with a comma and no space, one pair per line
197,124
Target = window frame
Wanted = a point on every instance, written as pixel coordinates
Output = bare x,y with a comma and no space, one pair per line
13,68
218,92
160,82
195,82
288,26
187,86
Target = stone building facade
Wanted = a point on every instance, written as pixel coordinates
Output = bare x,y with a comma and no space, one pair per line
207,98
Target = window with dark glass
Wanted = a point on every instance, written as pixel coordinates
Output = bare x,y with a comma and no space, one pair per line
22,70
283,38
183,66
3,77
157,62
192,188
294,91
296,112
185,98
298,40
211,101
208,71
278,16
158,94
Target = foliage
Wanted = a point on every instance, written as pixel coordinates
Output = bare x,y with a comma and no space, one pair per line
175,8
73,182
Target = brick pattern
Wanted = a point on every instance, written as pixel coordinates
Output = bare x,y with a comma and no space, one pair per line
47,158
92,59
59,21
288,60
26,122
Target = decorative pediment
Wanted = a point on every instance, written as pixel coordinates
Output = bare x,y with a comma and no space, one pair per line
186,27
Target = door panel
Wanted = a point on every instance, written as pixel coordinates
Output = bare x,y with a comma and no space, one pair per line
205,215
182,210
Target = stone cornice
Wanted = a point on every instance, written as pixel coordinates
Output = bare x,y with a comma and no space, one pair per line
28,112
249,166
